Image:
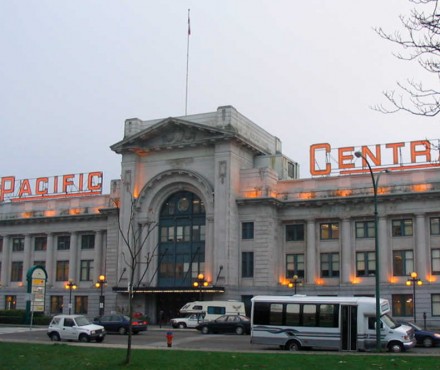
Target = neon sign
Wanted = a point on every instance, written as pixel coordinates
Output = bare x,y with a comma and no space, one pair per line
82,184
325,160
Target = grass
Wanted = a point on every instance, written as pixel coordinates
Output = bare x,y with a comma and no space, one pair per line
23,356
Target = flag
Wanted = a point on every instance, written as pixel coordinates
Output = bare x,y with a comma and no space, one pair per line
189,25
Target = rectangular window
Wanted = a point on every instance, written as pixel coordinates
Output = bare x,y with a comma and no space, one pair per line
63,242
40,243
365,229
198,233
365,264
329,264
81,304
403,263
86,270
247,264
309,315
435,261
18,244
402,304
1,245
294,265
294,232
435,304
62,272
88,241
329,230
276,314
435,225
247,230
16,271
56,304
40,263
402,227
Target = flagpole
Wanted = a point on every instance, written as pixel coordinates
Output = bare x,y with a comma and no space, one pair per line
187,64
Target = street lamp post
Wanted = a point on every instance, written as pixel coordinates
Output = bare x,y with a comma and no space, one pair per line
294,282
375,181
100,284
414,280
200,283
71,286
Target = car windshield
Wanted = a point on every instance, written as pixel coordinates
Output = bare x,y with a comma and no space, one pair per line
389,321
82,321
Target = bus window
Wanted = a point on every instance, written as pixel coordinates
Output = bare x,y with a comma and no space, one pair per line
276,314
328,315
293,314
309,315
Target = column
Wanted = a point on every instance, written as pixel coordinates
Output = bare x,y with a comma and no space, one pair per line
26,256
385,260
311,270
6,261
73,260
421,255
49,259
99,267
346,251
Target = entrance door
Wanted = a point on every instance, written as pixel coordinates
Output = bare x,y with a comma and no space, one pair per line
348,328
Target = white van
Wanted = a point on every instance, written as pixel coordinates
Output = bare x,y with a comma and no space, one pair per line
210,310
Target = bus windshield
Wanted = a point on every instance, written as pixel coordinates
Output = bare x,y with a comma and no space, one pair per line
389,321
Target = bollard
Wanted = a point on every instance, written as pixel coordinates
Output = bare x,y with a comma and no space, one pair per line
169,338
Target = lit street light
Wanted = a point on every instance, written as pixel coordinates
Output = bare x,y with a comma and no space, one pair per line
294,282
100,284
375,181
200,283
414,280
71,286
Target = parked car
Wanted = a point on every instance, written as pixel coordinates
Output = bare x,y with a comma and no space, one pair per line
121,323
74,327
424,338
237,324
189,321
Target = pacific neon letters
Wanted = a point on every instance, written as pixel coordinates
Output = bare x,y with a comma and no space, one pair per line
50,187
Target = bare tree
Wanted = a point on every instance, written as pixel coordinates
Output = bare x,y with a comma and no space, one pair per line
420,41
135,237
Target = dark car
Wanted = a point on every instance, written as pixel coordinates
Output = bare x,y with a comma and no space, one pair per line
424,338
120,324
237,324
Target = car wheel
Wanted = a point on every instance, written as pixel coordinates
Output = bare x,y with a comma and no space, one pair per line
395,347
293,346
55,337
99,340
122,330
427,342
181,325
84,338
205,330
239,330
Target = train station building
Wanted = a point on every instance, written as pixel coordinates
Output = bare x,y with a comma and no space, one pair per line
211,198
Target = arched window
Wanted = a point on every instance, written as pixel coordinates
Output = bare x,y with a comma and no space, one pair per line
181,239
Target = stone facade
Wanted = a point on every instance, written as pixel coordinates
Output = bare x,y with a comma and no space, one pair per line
251,226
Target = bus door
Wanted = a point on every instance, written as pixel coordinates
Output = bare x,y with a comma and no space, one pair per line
349,328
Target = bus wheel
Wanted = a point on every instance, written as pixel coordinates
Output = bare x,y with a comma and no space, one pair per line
395,347
292,345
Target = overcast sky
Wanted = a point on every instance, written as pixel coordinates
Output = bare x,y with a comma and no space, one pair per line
71,72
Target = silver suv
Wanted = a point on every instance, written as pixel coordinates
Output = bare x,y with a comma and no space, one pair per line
74,327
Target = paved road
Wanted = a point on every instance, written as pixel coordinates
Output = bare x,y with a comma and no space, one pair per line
155,337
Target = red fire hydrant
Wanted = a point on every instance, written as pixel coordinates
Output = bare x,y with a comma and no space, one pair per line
169,338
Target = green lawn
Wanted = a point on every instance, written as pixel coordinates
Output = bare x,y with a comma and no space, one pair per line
23,356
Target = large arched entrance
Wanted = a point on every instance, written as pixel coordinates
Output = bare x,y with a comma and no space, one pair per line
181,249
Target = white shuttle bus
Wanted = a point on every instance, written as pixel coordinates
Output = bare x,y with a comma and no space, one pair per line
336,323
